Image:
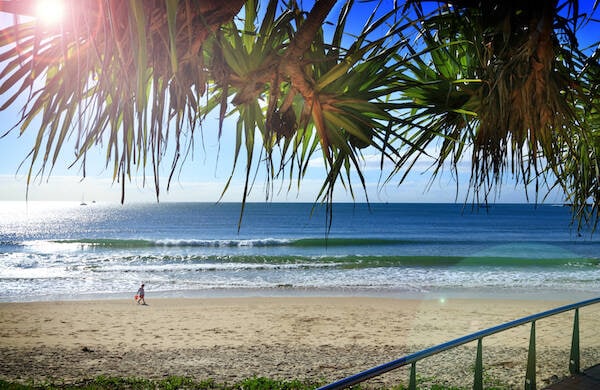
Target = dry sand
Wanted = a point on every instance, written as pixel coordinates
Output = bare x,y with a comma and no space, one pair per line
229,339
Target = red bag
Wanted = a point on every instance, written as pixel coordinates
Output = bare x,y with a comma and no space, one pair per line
136,297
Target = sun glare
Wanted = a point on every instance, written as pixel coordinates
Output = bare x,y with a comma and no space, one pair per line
50,11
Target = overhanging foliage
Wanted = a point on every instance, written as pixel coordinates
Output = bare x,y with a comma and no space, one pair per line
505,85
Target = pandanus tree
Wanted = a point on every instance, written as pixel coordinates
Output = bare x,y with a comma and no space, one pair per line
504,84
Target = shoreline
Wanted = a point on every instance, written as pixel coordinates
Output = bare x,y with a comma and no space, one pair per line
307,338
541,294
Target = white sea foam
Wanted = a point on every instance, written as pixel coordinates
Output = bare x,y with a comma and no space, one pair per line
56,252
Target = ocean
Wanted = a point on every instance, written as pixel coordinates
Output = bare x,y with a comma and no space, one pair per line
65,251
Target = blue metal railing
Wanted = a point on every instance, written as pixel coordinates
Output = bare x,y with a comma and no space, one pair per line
530,379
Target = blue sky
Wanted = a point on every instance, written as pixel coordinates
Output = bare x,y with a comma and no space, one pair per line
203,177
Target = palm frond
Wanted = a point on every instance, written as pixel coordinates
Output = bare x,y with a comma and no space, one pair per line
504,84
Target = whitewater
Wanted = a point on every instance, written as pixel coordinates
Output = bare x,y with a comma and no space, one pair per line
64,250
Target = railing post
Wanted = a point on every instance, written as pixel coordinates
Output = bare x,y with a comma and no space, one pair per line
530,374
412,385
574,367
478,380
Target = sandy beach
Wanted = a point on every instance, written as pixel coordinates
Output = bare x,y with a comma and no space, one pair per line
229,339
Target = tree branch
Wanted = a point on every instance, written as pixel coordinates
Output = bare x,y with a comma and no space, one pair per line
291,66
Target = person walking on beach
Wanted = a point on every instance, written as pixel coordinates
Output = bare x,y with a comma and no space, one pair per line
139,297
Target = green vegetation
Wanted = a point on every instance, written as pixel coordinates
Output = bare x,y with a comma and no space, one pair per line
170,383
176,382
506,86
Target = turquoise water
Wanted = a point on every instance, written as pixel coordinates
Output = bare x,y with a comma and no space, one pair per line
63,250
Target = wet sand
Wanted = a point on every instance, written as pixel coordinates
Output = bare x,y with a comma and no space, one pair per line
317,339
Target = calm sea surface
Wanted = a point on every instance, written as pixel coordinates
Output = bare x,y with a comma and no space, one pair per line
61,250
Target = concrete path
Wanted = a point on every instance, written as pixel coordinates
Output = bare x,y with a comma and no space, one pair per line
587,380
